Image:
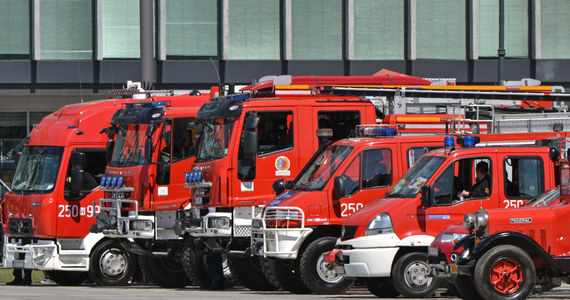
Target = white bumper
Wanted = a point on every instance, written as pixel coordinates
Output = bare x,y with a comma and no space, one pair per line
373,256
48,255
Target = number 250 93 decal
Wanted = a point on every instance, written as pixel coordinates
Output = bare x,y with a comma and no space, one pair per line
512,203
74,211
348,209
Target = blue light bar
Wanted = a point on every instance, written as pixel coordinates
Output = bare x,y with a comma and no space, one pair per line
469,141
147,104
234,97
120,181
449,141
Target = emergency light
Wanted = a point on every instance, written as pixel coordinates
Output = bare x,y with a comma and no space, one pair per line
468,141
234,97
193,176
375,131
147,104
112,181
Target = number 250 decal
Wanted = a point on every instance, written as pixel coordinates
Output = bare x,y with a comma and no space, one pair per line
348,209
512,203
74,211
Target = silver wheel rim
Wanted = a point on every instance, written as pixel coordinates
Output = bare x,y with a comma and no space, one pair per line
113,262
415,275
326,271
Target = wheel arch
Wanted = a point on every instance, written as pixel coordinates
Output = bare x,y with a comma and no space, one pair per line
319,232
403,250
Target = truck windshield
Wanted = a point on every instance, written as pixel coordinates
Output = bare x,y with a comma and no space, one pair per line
323,168
410,184
215,139
129,146
37,169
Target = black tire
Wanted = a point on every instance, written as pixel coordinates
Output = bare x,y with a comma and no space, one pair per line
510,265
465,287
68,278
409,276
248,272
202,269
381,287
111,264
318,275
166,272
283,275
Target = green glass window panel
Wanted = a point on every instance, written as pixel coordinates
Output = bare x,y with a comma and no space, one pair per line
15,27
555,29
316,29
441,29
378,29
516,28
254,29
121,29
66,29
191,28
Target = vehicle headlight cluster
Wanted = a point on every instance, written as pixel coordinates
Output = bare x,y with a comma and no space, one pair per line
449,237
193,176
141,225
481,220
469,222
41,255
112,181
219,222
381,223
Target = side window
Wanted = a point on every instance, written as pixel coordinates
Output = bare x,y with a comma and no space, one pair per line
184,137
351,177
93,167
524,177
275,131
377,168
415,152
341,122
465,179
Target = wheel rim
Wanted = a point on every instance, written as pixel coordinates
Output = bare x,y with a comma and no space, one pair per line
113,262
326,271
506,276
415,275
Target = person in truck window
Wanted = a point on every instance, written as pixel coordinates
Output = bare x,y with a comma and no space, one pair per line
89,182
481,188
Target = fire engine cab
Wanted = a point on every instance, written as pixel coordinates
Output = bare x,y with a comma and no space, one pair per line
510,254
386,241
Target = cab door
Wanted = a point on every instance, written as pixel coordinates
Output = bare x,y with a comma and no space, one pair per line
277,156
75,211
447,206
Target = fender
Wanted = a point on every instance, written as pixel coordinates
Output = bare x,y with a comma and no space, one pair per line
521,240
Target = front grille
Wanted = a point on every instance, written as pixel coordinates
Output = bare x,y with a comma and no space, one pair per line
21,228
348,232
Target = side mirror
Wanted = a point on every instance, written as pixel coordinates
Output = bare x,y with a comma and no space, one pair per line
279,186
289,184
77,177
338,188
77,158
426,192
251,122
109,150
249,143
148,150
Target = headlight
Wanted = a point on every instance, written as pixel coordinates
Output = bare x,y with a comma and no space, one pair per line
41,255
448,237
257,223
141,225
481,220
381,223
469,222
219,223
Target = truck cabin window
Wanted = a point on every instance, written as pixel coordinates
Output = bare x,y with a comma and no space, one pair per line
274,132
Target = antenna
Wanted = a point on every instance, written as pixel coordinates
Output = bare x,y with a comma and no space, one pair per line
80,85
219,79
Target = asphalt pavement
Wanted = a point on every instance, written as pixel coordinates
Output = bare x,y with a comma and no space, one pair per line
55,292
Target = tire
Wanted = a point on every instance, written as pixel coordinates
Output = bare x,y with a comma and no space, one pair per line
409,276
512,270
381,287
165,272
111,264
318,275
201,269
248,271
283,275
68,278
465,287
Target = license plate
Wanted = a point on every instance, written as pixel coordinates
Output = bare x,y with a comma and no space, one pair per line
339,270
433,251
453,269
18,264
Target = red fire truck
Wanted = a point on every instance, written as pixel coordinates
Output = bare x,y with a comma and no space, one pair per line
386,241
47,214
510,254
151,145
